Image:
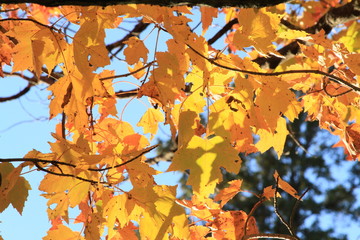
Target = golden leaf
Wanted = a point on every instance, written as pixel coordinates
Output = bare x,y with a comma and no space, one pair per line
150,120
135,50
204,158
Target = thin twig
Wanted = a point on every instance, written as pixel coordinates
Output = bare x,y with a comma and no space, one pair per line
54,162
128,74
257,204
270,235
276,210
296,205
67,175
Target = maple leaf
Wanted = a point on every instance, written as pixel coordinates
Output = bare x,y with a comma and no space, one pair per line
90,47
117,210
13,188
229,192
63,232
6,50
275,140
285,186
135,50
160,214
204,158
207,15
352,60
231,225
150,120
257,29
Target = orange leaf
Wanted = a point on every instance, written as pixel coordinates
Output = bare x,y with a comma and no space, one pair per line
62,232
135,50
207,15
229,192
285,186
352,60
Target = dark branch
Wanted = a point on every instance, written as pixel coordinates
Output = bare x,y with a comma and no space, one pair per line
310,71
222,31
332,18
336,16
119,45
16,96
55,162
167,3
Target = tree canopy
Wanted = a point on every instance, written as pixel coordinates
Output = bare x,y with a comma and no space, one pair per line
240,85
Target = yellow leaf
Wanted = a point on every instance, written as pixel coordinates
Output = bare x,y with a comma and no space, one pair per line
140,173
186,127
256,28
48,47
137,74
93,226
150,120
291,34
90,46
135,50
13,188
23,51
118,210
275,140
275,98
166,218
204,158
78,192
351,38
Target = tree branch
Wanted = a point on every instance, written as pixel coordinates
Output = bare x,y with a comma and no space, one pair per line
16,96
54,163
311,71
167,3
332,18
138,28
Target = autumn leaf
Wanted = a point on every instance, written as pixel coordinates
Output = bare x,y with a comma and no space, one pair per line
257,29
135,50
13,188
229,192
150,120
219,105
207,15
204,158
63,232
90,46
275,140
285,186
352,60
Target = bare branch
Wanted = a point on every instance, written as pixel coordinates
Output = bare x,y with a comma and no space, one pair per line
16,96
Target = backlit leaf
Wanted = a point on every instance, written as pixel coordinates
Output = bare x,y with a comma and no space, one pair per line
135,50
285,186
150,120
204,157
